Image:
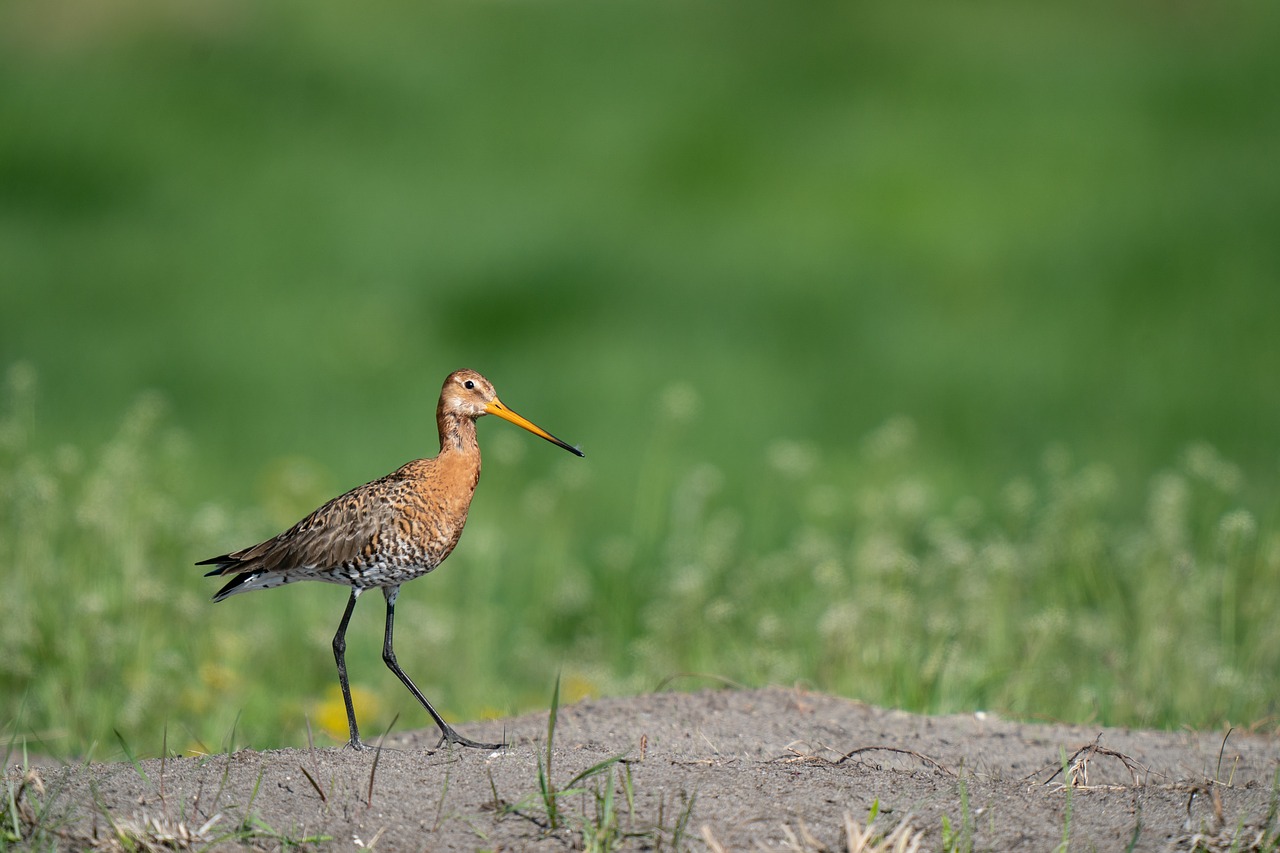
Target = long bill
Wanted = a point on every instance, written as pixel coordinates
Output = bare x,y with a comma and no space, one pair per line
495,407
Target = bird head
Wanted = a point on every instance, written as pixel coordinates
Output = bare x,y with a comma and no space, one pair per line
467,394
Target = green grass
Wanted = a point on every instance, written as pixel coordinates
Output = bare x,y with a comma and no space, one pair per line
599,793
1049,597
921,356
959,838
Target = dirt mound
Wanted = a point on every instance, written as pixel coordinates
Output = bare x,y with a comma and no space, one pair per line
732,770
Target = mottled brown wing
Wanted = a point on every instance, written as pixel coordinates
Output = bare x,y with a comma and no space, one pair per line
347,530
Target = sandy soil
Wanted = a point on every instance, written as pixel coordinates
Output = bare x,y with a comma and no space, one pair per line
743,770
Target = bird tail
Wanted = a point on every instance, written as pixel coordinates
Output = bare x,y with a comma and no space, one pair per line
244,581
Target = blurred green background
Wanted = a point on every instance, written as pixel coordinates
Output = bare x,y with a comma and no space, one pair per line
794,277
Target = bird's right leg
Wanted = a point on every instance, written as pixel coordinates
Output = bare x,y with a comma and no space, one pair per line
389,658
339,654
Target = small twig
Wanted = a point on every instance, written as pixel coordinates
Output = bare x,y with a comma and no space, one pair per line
845,756
1216,804
376,756
314,784
924,758
1079,761
1217,774
311,749
164,755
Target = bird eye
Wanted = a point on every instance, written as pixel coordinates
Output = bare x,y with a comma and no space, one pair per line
468,385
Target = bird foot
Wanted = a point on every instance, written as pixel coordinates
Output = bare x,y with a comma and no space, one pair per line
361,746
450,736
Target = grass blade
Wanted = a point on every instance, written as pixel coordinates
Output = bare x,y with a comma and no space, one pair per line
377,756
128,753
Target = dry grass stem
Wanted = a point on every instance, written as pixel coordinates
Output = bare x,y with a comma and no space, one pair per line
1078,765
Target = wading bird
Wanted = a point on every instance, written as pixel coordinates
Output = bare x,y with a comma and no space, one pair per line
386,532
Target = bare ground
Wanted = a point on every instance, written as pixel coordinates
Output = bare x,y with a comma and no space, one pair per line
719,770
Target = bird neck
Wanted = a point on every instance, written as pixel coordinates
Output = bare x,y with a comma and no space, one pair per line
457,435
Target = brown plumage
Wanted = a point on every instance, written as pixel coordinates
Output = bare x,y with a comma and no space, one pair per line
386,532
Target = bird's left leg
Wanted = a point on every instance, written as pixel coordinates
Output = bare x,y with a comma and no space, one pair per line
389,658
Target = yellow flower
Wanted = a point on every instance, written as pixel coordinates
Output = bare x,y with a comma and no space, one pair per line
218,678
331,714
575,688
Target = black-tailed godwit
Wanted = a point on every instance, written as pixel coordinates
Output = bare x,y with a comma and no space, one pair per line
386,532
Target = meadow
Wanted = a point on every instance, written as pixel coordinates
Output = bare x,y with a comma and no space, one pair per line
925,358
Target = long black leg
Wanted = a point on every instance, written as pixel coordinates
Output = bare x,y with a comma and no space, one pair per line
389,657
339,654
